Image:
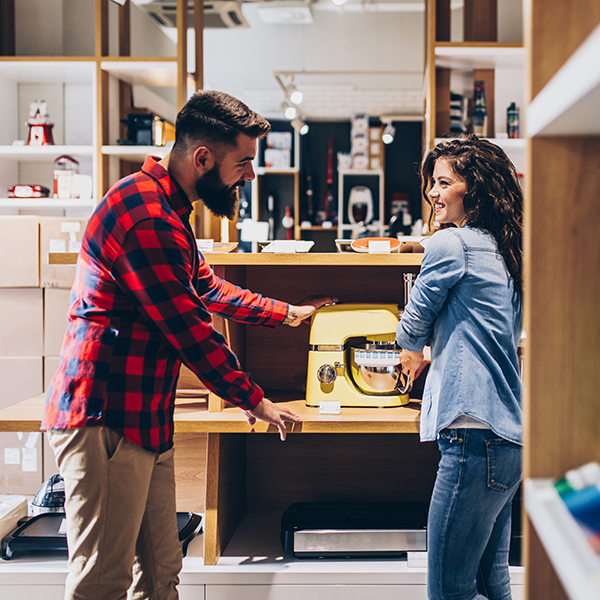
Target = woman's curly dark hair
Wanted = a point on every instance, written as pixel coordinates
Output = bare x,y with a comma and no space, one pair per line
494,199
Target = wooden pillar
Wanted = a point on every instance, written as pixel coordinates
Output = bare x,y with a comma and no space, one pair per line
7,28
442,21
125,29
442,102
480,21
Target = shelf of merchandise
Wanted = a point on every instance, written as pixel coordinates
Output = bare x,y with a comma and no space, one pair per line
42,153
574,560
158,72
46,203
568,104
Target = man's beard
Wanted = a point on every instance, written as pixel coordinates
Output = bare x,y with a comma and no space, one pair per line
219,198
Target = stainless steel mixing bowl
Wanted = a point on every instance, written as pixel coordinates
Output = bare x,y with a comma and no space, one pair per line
381,374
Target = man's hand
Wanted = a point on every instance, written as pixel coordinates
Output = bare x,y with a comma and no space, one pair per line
272,413
306,309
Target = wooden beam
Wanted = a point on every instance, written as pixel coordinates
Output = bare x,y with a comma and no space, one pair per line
442,21
101,28
7,28
125,29
182,22
480,21
442,102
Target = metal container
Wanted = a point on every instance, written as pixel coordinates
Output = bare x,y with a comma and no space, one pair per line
376,369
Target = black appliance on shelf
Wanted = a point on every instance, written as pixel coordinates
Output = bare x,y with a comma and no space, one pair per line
143,129
354,530
47,532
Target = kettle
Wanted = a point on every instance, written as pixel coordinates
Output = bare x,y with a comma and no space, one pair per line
50,497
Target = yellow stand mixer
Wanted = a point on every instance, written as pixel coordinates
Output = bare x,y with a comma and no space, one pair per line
353,357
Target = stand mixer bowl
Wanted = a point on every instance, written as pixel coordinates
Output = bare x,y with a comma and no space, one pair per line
375,369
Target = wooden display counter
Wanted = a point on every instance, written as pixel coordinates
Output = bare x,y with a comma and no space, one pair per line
361,455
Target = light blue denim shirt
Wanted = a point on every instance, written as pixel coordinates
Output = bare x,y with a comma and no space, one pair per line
463,304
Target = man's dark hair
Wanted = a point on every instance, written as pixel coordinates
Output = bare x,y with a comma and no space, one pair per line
215,119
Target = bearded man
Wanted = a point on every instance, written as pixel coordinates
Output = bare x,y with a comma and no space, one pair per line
139,308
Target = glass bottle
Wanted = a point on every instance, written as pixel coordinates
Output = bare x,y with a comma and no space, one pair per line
480,114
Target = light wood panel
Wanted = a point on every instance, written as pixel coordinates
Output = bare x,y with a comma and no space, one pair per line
442,102
225,492
190,471
557,29
562,319
480,22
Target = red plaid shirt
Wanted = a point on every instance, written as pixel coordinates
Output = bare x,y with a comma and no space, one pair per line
139,308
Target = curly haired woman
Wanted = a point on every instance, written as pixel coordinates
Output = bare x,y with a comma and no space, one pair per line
466,303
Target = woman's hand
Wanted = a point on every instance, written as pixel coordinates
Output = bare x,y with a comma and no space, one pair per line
412,362
306,309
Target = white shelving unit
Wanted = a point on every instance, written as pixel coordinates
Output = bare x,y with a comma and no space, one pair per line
69,86
136,152
568,104
574,560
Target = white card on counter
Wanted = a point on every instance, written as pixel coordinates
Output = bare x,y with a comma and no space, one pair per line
379,247
57,245
416,559
330,407
62,530
205,245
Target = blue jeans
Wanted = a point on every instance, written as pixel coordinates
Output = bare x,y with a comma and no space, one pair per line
468,530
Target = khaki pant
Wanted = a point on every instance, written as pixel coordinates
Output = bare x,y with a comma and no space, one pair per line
121,517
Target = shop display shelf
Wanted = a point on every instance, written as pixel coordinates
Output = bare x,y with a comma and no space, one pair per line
158,72
42,153
46,203
575,562
467,56
136,152
568,104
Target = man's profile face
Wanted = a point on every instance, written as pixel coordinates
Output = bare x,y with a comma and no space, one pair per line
218,187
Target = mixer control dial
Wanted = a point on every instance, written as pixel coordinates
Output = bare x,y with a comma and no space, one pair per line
326,374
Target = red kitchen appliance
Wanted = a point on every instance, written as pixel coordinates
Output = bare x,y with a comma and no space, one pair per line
40,127
28,191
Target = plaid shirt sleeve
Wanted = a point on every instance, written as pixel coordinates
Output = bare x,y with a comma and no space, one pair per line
232,302
155,270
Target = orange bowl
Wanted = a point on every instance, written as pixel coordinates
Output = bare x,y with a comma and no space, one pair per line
362,244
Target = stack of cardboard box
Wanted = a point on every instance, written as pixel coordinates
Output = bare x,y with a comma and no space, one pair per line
34,301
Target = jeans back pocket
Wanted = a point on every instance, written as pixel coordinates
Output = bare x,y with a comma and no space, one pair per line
504,464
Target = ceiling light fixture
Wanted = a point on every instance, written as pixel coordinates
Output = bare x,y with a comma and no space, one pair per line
389,131
300,126
295,95
289,111
339,2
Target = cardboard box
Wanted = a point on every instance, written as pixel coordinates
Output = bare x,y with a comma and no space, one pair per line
20,462
21,322
56,307
20,247
50,368
50,467
21,378
59,234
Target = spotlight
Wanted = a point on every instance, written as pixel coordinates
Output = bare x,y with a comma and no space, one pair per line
288,110
339,2
300,126
389,131
295,94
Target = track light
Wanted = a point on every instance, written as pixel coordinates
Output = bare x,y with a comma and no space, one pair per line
389,131
300,126
295,95
288,110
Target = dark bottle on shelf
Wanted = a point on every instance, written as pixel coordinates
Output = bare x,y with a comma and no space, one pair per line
480,115
512,121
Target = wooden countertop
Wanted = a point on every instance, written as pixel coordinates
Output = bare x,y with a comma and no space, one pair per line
407,259
191,416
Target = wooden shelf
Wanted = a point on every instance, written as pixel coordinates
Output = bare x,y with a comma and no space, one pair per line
279,171
568,104
191,416
574,561
158,72
43,153
38,69
136,152
479,55
45,203
353,259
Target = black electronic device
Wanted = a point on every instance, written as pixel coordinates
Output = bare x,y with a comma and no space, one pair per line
143,129
47,532
354,530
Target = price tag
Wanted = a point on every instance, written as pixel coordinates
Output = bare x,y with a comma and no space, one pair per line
379,247
330,407
205,245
